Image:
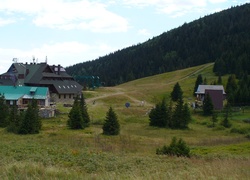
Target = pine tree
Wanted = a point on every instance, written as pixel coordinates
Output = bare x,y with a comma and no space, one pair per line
31,123
227,113
186,117
198,82
159,115
84,110
75,120
176,148
231,88
3,112
111,125
207,105
214,118
176,93
205,81
177,115
15,119
219,82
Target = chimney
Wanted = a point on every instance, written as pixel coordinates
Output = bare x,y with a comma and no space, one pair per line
59,68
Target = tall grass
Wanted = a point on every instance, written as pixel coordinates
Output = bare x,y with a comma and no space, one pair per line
60,153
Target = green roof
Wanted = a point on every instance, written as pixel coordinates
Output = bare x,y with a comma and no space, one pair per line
28,92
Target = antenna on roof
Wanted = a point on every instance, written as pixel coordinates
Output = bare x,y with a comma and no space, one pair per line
33,59
46,59
14,60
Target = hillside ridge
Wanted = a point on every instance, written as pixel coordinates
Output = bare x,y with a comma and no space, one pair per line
222,37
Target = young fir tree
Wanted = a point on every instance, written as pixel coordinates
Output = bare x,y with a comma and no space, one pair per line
4,112
111,125
214,119
219,82
176,148
159,115
75,120
186,117
207,105
176,93
177,117
31,123
15,120
205,81
231,88
227,113
198,82
84,110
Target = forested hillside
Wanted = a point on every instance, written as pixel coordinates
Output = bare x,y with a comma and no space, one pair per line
223,37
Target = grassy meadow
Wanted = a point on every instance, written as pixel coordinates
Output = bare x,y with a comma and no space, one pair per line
60,153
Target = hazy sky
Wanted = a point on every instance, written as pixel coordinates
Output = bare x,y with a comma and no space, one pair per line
73,31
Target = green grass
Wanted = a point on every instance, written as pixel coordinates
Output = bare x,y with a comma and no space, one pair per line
60,153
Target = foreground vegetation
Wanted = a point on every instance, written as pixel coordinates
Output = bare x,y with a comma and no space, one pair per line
58,152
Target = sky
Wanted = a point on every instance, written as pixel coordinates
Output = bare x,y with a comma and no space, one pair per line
69,32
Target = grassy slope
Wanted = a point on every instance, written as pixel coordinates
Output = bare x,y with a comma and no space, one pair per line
60,153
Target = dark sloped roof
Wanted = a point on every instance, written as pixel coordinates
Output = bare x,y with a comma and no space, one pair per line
35,73
45,75
64,87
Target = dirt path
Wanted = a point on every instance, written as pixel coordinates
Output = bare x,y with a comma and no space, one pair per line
119,91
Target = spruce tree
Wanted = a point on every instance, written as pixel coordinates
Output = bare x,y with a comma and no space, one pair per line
219,82
214,119
176,93
198,82
4,112
177,115
227,113
231,88
207,105
75,120
84,110
111,125
15,119
159,115
176,148
31,123
186,117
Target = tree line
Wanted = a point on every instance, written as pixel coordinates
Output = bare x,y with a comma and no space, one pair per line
20,122
221,37
29,122
173,115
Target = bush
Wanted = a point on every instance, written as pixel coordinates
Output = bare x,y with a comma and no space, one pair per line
175,148
240,130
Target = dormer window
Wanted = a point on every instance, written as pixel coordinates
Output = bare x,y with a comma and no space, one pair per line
33,90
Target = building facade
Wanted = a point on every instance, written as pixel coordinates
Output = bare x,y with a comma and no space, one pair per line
62,87
216,92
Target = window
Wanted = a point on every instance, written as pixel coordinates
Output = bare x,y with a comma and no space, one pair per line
59,96
65,96
69,96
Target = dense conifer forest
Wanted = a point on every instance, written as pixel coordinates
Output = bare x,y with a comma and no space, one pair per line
223,38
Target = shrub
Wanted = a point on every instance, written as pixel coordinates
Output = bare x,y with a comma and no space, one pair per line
240,130
176,148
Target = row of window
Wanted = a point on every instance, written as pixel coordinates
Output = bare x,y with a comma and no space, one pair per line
67,86
65,96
